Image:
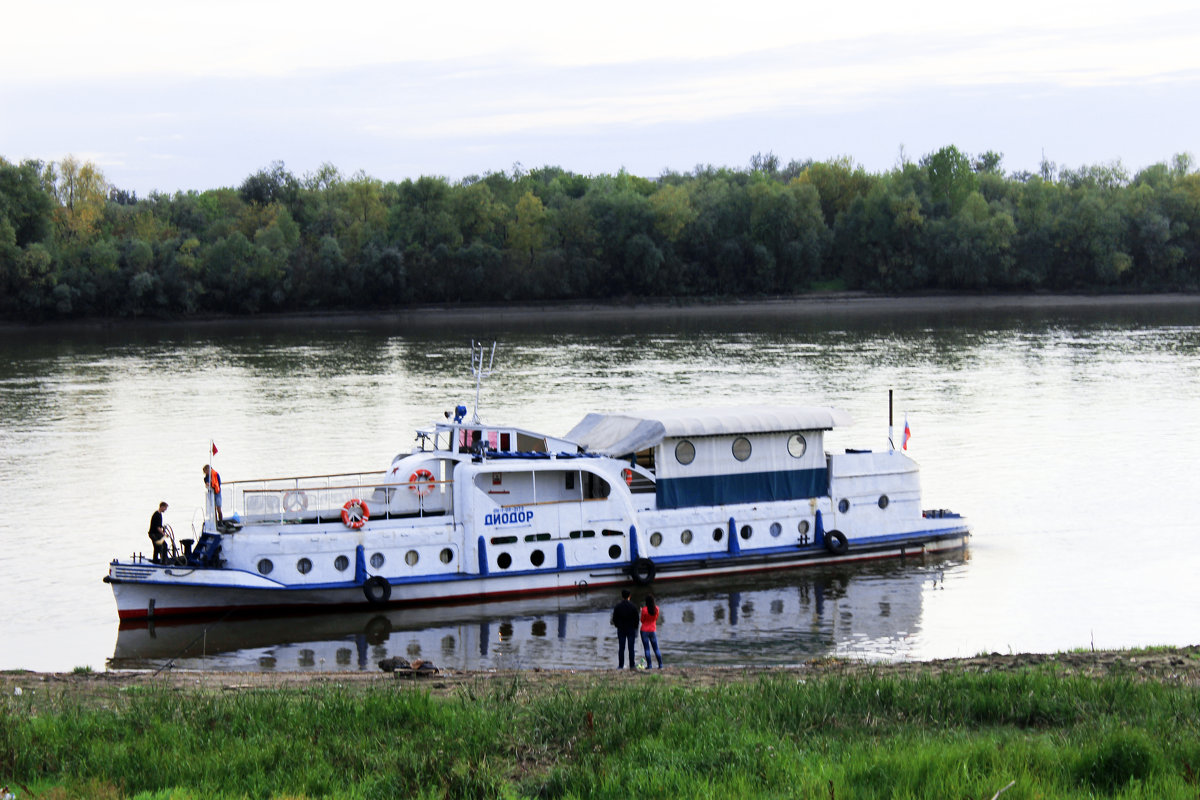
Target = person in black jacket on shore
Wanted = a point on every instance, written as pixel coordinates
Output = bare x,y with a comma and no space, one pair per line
627,621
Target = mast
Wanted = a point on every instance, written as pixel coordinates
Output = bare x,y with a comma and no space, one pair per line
479,353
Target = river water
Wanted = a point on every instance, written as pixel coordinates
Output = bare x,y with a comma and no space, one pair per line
1067,434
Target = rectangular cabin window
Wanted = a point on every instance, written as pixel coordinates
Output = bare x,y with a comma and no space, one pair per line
570,478
530,444
504,442
537,537
594,487
504,540
582,534
610,532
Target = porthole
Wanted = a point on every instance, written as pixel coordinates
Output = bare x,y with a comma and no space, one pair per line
504,561
411,558
741,448
656,539
843,505
796,445
803,526
883,501
377,560
265,566
685,537
341,563
685,452
447,555
537,558
614,552
718,533
776,529
747,531
304,566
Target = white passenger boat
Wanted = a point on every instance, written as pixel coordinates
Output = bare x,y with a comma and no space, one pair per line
479,511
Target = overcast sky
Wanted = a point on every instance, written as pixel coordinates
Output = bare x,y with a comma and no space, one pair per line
178,95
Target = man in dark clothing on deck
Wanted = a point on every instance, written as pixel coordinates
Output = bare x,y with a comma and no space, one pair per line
158,535
625,617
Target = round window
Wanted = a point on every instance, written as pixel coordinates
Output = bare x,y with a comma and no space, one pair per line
341,563
537,558
685,537
776,529
747,531
796,445
741,448
504,561
377,560
883,501
685,452
656,539
411,558
614,552
304,566
718,533
447,555
265,566
843,505
803,526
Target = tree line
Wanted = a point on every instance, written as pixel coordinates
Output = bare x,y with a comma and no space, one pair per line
72,245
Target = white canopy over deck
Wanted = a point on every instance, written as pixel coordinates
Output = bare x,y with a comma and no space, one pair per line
631,432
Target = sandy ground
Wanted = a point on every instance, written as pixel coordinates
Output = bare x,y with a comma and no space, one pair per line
1176,665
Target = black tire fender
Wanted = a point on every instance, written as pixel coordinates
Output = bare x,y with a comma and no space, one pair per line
377,590
836,543
642,571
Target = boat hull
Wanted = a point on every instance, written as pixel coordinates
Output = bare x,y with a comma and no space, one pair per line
162,591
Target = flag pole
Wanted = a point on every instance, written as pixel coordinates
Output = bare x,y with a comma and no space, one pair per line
891,444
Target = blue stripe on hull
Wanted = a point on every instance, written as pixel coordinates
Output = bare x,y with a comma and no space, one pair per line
752,487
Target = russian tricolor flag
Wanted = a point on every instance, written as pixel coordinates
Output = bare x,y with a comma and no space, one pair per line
907,434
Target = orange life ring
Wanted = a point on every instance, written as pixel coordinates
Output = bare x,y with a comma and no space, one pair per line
421,482
628,473
355,513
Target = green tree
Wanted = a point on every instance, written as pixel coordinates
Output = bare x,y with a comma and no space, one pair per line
527,231
82,193
951,179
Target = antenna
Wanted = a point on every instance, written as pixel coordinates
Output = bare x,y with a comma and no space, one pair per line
479,353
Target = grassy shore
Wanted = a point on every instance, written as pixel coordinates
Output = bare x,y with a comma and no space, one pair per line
1073,725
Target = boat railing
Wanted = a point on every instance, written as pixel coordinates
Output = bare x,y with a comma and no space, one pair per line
322,498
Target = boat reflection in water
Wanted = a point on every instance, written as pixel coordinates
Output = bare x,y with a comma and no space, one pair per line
866,611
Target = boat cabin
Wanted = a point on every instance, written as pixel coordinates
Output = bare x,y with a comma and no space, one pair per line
715,456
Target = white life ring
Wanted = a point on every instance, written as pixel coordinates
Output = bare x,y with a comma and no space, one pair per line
294,501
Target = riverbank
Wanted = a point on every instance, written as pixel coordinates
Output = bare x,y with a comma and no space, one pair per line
1168,664
1106,724
816,304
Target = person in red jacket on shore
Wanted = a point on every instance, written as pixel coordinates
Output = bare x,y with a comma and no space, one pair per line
650,631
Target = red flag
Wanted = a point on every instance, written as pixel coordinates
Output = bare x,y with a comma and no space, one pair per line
214,448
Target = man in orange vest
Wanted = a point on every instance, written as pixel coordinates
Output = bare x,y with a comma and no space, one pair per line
212,479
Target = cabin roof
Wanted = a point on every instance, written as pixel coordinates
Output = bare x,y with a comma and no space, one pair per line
629,432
